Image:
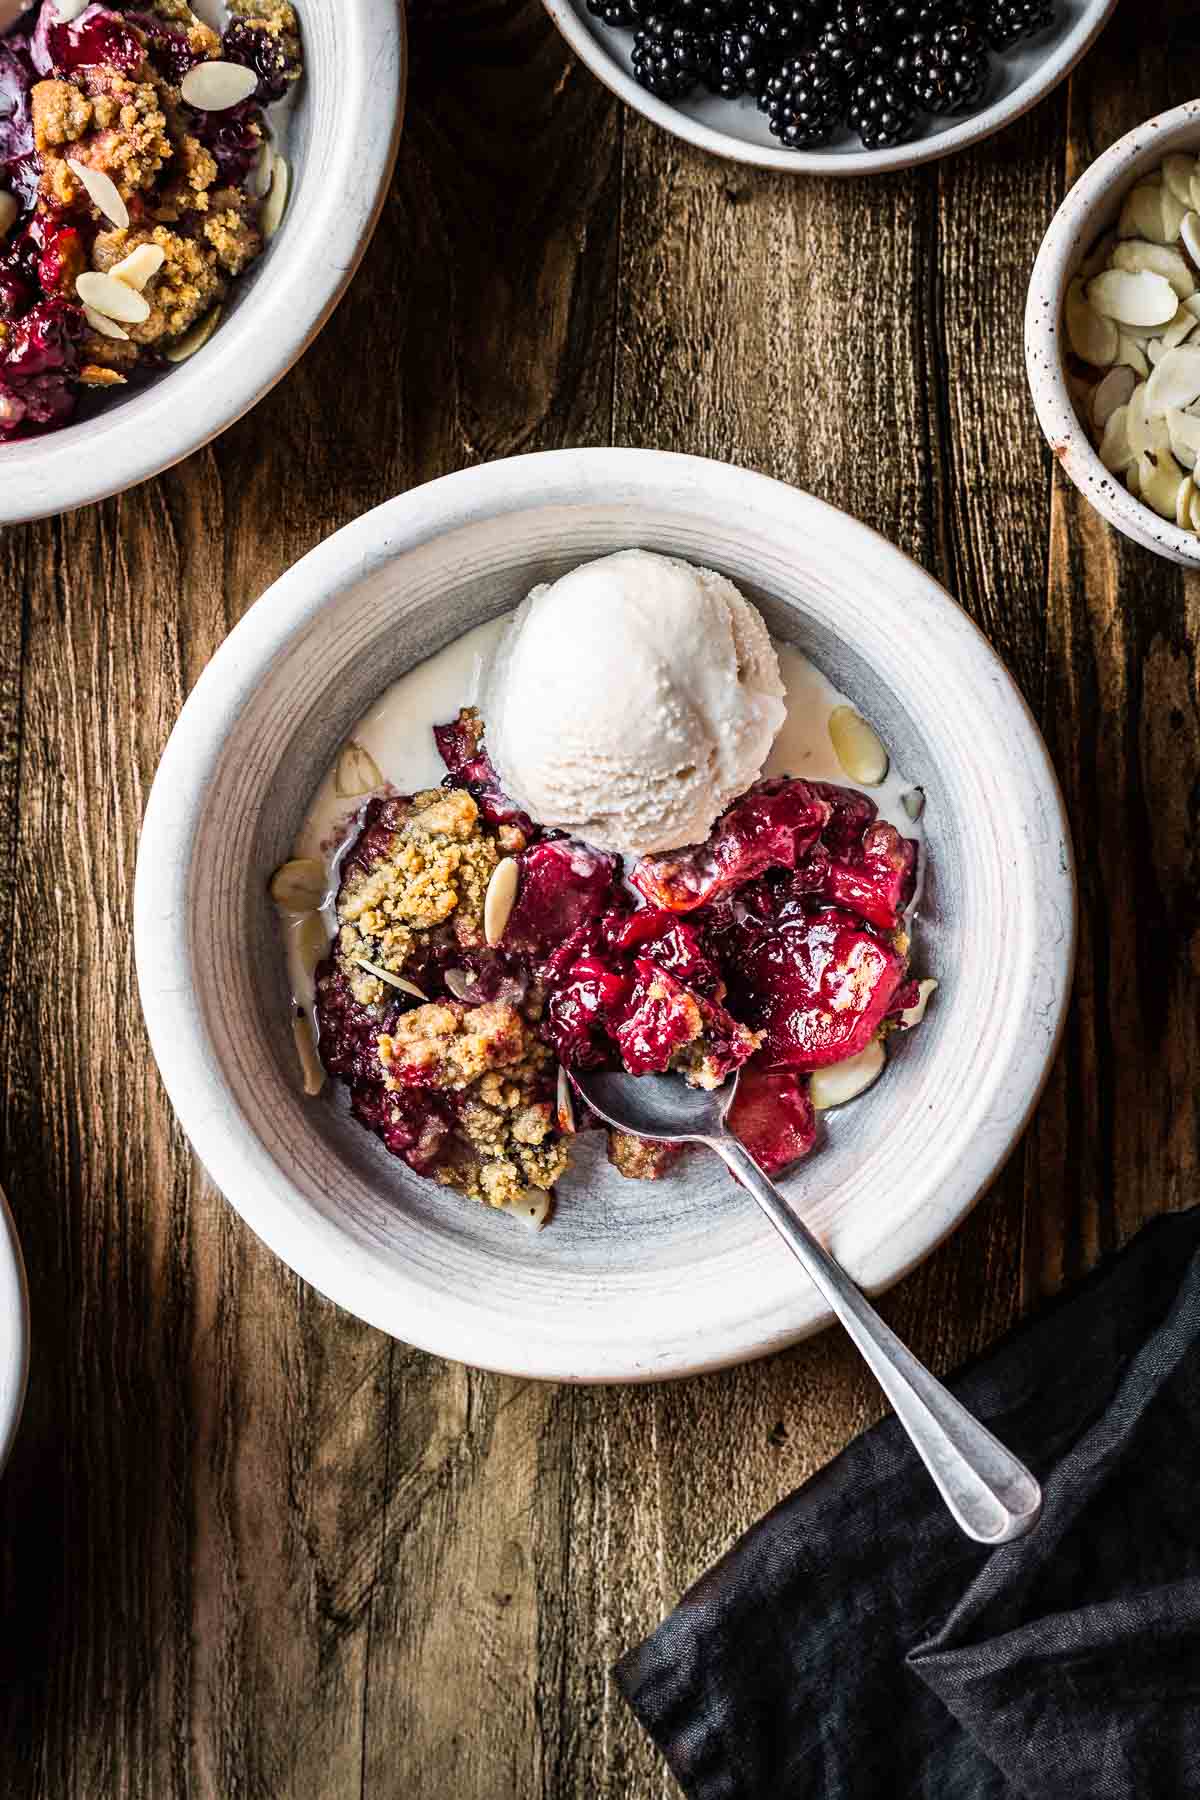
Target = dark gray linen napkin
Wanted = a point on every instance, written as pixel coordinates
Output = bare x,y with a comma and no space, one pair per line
854,1644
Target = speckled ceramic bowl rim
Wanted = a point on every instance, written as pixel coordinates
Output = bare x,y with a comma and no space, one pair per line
1073,230
302,277
245,1165
14,1331
972,130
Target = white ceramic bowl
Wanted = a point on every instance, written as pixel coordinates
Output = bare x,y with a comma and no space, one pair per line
1090,209
14,1331
342,145
631,1281
737,130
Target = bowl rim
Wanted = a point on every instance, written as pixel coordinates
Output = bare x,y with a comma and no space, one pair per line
242,1166
302,279
972,130
1068,237
14,1331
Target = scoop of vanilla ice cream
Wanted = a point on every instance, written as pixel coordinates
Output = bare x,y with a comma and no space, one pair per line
630,701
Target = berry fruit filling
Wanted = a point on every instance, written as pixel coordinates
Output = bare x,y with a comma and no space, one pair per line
137,182
479,955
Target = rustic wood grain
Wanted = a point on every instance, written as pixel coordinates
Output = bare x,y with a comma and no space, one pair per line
249,1547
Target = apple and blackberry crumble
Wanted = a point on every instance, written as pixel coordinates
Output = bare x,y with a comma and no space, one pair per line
138,180
478,954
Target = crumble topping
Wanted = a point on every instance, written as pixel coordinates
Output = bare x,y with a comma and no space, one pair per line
640,1159
498,1070
435,870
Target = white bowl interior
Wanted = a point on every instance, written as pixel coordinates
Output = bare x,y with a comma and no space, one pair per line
737,129
1091,208
631,1280
341,146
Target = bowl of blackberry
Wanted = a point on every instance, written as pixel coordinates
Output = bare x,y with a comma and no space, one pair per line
831,86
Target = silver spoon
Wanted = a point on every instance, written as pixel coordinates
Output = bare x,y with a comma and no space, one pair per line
990,1493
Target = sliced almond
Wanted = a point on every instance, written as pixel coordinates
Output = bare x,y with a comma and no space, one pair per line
66,10
1180,327
273,206
564,1106
1110,393
299,886
260,180
1183,503
1130,352
1145,299
1090,336
1142,214
106,327
215,86
1135,254
840,1082
912,1015
306,1050
1183,431
10,211
1159,479
1116,452
1147,431
1098,257
357,772
310,940
1174,211
1196,510
195,339
102,192
500,898
1133,480
1175,381
396,981
1177,176
140,266
913,802
1189,231
112,298
533,1207
857,746
1154,350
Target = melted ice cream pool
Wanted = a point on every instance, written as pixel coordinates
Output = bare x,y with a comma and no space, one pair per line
398,734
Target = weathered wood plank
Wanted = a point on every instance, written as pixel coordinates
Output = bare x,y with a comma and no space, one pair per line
1118,1137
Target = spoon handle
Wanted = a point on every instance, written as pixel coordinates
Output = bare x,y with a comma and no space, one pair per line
990,1493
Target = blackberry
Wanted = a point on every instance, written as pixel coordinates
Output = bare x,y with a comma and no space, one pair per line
804,101
782,27
1005,22
880,108
701,15
739,65
946,70
627,14
910,16
857,39
669,59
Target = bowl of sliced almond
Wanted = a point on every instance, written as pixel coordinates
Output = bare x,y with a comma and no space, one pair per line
1112,334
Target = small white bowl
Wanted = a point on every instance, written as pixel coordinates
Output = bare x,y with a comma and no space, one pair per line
14,1331
631,1280
1089,210
738,130
341,146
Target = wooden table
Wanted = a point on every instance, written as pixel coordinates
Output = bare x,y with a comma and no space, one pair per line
250,1547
